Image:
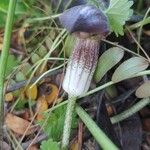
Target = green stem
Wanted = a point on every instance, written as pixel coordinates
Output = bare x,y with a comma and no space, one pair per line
129,112
146,72
3,61
98,89
139,24
68,122
98,134
32,20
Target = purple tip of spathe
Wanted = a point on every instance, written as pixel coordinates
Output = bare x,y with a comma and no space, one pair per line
85,18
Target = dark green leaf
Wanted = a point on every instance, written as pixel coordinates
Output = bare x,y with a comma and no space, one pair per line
11,63
22,8
118,13
49,145
55,123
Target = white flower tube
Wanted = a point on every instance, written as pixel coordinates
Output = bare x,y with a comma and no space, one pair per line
81,66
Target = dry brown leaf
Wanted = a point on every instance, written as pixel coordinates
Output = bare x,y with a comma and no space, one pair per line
41,106
9,97
31,92
53,94
18,125
74,145
110,110
33,147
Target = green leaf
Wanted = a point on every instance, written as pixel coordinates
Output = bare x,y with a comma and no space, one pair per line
42,51
144,90
11,63
69,44
55,123
35,58
118,13
108,60
22,8
20,76
20,102
49,145
129,68
2,19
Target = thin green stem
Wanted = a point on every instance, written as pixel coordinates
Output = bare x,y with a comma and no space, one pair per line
32,20
98,134
98,89
146,72
129,112
68,122
3,61
140,29
139,24
125,49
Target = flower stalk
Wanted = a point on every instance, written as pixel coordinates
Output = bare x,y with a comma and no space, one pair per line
68,122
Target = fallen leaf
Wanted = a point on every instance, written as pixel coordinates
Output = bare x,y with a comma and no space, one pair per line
31,92
18,125
33,147
146,124
9,97
53,94
110,110
74,145
6,146
41,106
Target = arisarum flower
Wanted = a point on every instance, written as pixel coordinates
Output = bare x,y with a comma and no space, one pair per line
89,25
81,66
